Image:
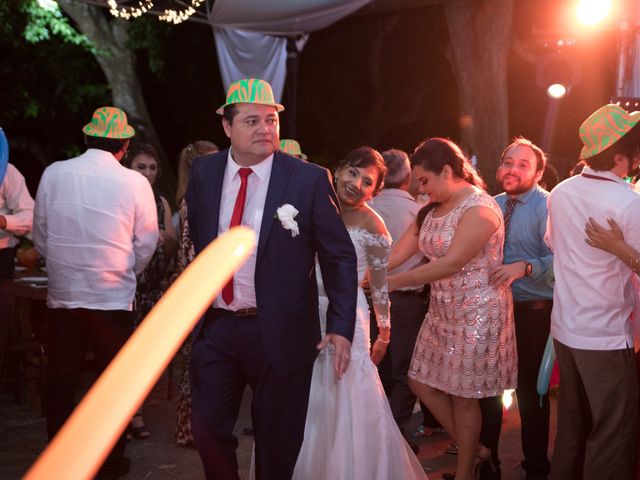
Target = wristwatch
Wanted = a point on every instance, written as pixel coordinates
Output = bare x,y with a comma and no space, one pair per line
528,269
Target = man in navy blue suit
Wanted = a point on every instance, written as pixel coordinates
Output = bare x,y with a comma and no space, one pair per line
263,329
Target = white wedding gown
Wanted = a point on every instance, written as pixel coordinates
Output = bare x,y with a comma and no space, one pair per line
350,433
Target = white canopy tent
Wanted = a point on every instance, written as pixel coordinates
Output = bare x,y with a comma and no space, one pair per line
251,35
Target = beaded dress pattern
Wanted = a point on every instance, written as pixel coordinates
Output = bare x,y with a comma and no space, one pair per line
466,346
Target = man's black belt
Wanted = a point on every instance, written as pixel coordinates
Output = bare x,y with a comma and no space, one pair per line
533,305
243,312
408,293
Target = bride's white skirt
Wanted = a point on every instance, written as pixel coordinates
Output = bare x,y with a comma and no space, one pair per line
350,433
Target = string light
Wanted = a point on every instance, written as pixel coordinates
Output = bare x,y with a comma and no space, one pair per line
179,16
143,7
170,15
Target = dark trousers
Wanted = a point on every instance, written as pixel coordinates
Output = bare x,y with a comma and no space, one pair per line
228,354
597,414
532,332
6,272
407,315
71,332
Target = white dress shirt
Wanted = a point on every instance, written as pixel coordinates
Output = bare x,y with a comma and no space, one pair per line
96,224
398,209
244,291
16,205
593,296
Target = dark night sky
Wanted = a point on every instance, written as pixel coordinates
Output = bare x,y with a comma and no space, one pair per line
337,106
335,88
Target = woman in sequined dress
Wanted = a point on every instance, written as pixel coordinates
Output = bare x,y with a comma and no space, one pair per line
466,347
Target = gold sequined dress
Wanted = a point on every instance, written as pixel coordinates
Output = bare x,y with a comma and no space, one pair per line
466,346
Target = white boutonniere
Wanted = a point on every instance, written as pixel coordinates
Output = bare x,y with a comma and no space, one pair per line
286,214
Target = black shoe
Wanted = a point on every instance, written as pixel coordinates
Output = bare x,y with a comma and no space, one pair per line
449,476
113,469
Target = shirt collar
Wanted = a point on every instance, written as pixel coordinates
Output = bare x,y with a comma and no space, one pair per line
262,169
524,197
398,192
606,174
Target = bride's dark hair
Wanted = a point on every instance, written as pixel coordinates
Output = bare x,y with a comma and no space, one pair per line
363,157
432,155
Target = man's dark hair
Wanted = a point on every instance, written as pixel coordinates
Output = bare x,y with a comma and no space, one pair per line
628,145
541,158
229,113
111,145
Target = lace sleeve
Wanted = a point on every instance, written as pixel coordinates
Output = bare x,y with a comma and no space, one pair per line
377,248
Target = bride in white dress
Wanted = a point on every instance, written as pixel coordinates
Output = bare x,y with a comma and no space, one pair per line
350,433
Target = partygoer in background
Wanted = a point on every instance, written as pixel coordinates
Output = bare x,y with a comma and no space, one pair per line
398,209
16,218
187,155
528,269
152,282
96,224
292,147
598,401
466,347
612,240
185,256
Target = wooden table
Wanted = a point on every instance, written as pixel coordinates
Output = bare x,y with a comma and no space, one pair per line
26,358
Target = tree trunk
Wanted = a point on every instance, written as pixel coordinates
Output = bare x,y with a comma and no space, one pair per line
117,61
480,34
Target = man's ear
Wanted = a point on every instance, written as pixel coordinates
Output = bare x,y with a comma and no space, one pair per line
226,127
123,151
539,174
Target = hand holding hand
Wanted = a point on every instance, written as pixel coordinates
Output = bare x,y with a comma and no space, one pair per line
508,273
343,352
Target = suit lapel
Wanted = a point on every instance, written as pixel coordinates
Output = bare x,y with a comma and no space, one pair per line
280,173
214,193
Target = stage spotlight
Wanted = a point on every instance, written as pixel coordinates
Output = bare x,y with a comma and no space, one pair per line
592,12
556,90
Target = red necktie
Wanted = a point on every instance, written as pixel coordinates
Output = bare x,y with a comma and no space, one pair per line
236,219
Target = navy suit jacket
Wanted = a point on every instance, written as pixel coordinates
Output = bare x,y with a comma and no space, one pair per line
285,280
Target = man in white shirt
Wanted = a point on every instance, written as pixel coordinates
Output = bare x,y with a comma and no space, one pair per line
592,302
16,217
95,222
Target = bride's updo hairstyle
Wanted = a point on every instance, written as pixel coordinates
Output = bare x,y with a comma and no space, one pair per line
433,154
364,157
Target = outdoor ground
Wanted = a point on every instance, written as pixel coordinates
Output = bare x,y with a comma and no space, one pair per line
23,437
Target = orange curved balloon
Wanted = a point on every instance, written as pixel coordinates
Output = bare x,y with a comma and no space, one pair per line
85,440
